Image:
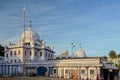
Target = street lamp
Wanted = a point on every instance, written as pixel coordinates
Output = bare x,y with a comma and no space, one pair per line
72,49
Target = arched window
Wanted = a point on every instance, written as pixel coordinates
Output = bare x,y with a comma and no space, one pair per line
40,54
14,52
51,56
35,53
83,71
30,53
18,52
25,60
25,52
54,70
15,60
6,55
91,71
19,60
11,53
46,54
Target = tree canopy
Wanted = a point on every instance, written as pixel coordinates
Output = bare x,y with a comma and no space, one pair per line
118,55
112,54
118,66
105,58
1,50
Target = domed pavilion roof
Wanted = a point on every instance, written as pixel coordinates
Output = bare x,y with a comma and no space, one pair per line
30,35
80,53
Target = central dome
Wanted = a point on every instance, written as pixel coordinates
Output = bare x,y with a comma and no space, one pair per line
30,35
80,53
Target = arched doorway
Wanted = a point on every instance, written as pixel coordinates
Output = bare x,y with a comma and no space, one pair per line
41,71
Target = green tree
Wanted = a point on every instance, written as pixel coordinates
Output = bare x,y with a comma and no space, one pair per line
1,50
112,54
105,58
118,55
118,66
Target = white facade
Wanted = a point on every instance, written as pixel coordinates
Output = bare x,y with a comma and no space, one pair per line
29,47
40,57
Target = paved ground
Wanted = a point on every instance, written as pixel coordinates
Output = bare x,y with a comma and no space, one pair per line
31,78
34,78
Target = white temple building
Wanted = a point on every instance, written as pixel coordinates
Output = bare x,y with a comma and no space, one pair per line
31,56
39,60
32,47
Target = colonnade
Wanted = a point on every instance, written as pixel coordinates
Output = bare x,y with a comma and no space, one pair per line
11,70
77,72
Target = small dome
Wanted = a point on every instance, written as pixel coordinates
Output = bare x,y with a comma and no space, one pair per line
80,53
30,35
64,53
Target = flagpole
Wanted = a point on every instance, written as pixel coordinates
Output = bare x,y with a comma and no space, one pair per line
24,52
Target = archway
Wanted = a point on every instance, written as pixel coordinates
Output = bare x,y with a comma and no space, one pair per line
41,71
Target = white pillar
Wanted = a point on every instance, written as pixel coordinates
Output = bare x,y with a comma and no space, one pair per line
98,72
54,74
79,72
16,70
13,70
0,69
6,68
10,70
87,72
3,67
64,72
70,73
59,72
19,70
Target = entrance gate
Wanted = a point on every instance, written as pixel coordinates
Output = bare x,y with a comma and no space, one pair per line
41,71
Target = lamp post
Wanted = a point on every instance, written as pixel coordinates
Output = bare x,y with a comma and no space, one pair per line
72,49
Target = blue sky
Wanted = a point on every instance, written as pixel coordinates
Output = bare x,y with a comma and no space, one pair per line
93,23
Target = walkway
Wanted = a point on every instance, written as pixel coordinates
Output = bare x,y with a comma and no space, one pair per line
31,78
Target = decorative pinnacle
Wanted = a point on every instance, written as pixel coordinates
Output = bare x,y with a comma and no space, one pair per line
80,45
30,24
